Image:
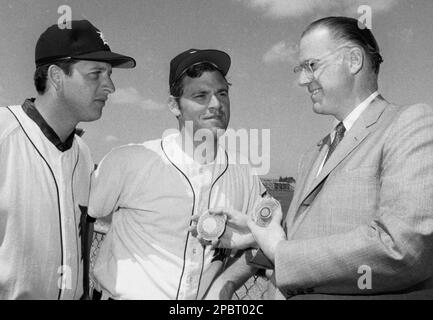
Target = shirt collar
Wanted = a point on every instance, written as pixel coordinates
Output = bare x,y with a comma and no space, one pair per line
173,147
356,113
31,111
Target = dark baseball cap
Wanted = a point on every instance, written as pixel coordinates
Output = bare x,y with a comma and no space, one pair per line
83,41
188,58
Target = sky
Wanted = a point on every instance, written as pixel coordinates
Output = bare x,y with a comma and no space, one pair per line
261,36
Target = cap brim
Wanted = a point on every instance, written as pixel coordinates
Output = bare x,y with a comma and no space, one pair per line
218,58
116,60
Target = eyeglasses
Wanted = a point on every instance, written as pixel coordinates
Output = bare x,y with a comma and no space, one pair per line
310,66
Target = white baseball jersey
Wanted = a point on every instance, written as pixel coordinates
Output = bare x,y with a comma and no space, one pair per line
43,192
153,189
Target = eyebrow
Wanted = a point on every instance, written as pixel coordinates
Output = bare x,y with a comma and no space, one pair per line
199,91
206,90
96,68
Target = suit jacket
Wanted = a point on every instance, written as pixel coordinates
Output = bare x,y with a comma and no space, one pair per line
364,225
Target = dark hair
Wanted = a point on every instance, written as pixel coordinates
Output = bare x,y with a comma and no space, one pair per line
41,73
194,71
350,29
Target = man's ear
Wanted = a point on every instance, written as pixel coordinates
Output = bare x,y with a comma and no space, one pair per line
173,106
356,60
55,76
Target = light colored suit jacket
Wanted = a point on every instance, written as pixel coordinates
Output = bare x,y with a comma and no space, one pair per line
364,225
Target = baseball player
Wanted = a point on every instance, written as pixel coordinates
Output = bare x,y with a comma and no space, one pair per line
45,167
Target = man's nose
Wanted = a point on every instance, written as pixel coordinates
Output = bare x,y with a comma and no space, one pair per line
214,102
109,85
304,78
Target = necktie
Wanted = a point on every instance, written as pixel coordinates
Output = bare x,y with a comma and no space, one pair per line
339,135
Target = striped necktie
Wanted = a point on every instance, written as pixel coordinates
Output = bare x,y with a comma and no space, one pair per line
339,135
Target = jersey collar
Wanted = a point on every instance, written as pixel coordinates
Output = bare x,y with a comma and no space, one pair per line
31,111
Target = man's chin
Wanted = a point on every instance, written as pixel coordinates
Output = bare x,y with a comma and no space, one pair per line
318,108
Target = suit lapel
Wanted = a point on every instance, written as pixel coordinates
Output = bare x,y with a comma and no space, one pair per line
360,130
311,170
306,176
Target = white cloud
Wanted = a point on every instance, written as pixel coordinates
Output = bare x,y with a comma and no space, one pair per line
149,104
110,139
299,8
131,96
282,51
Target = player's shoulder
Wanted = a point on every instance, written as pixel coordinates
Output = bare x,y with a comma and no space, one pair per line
135,152
8,122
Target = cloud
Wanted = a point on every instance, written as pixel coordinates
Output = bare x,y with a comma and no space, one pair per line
131,96
299,8
282,51
111,139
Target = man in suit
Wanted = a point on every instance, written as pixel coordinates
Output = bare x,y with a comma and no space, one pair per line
360,224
